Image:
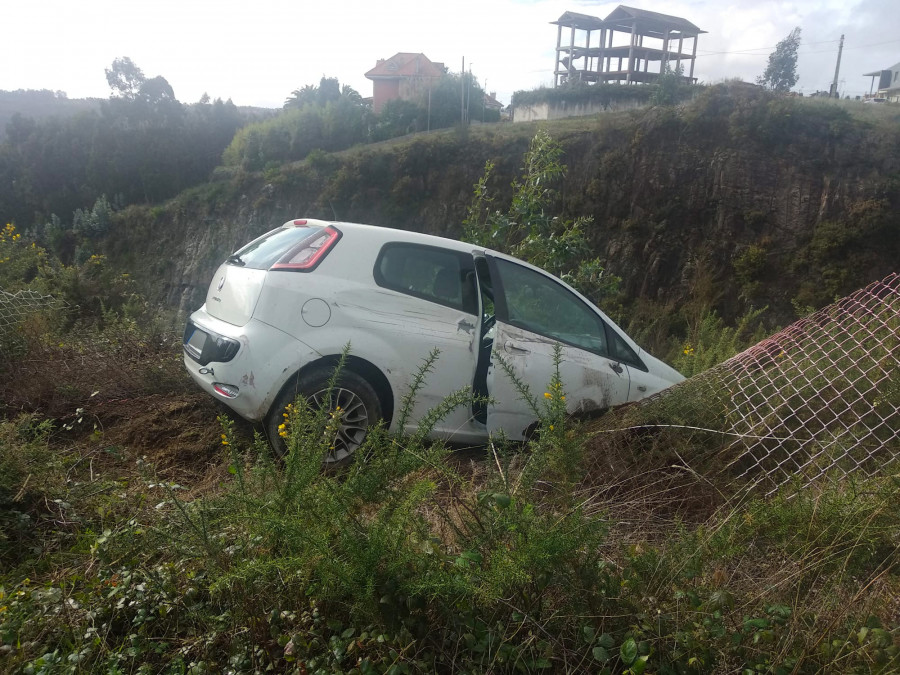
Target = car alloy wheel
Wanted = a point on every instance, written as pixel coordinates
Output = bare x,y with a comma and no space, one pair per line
360,408
354,421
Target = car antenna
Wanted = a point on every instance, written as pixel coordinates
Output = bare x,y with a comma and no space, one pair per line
333,212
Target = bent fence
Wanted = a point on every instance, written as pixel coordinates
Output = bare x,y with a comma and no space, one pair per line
819,398
52,360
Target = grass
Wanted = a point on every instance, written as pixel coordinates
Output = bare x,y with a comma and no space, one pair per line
570,555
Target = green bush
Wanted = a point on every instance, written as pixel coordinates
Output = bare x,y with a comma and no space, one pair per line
528,230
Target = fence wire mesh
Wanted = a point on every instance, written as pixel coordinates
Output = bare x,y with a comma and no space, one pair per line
819,398
52,358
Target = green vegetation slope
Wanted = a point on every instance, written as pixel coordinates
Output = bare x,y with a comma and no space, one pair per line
738,199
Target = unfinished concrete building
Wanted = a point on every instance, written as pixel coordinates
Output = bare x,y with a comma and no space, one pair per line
621,47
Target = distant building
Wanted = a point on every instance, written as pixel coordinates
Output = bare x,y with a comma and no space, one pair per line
491,102
888,84
404,76
621,47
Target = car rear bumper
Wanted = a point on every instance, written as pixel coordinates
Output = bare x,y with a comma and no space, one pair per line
242,366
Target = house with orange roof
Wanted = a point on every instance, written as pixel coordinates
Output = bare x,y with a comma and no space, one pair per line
405,76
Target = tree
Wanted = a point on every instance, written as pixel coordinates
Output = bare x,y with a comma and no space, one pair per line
350,93
781,72
669,86
528,228
446,103
156,90
125,78
329,90
399,117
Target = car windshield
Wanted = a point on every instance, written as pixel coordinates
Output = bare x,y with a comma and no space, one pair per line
262,253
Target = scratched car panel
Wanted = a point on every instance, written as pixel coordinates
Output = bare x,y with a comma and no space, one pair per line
281,309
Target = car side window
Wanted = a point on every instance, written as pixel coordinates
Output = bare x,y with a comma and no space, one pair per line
428,272
538,303
624,353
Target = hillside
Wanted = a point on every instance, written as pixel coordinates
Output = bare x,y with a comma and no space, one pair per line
39,104
737,199
744,521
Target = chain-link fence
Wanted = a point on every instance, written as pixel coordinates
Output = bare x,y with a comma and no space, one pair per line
52,359
819,398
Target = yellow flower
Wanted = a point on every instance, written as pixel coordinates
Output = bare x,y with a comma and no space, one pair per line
547,394
224,437
281,427
562,398
551,427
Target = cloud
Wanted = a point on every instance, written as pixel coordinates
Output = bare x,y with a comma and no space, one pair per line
257,54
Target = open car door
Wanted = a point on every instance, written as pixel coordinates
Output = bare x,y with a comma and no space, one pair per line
535,312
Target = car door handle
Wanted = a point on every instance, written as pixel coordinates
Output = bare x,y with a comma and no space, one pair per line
617,369
512,348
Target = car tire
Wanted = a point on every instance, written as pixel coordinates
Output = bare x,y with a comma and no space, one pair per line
359,403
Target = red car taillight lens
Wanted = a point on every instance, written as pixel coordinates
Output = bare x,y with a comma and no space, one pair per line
226,390
310,252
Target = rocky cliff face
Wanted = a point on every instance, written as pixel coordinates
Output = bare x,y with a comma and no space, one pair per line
740,198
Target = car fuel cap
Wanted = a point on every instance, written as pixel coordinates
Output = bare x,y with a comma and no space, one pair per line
315,312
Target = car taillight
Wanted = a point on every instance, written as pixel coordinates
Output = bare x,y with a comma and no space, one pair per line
309,253
226,390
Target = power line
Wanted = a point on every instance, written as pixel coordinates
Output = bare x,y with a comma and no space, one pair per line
701,52
751,50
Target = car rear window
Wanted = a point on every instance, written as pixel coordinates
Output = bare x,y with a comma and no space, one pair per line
262,253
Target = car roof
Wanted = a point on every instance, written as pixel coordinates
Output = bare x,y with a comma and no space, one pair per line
393,234
397,235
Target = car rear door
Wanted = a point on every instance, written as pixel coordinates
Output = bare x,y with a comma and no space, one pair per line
535,312
427,300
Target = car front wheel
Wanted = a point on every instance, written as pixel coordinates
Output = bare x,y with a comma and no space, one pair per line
352,398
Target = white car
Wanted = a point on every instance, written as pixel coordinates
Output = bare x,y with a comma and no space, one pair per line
280,311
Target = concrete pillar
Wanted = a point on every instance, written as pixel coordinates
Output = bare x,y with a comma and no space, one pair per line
600,54
587,54
631,52
693,58
572,53
665,57
556,65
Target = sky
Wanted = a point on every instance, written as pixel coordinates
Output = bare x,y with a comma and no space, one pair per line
257,53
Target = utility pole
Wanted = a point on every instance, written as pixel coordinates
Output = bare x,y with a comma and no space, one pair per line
462,93
837,69
468,93
430,81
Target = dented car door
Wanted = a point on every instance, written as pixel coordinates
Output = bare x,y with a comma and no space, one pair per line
534,314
